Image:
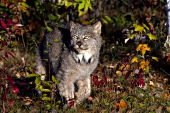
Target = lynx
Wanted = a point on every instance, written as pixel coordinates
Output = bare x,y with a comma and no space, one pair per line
74,61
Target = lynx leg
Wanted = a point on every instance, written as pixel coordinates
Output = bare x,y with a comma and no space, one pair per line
84,89
40,69
66,89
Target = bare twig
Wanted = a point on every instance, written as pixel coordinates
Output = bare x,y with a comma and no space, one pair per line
164,71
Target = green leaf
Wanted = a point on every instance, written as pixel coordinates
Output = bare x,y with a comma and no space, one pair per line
3,31
48,106
144,25
81,13
151,36
44,90
49,29
86,7
68,4
108,19
33,75
46,83
37,87
81,6
90,7
104,20
55,80
44,95
40,87
46,60
37,80
52,17
46,98
75,5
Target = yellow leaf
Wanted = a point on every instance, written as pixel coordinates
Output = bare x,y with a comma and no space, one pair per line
139,47
155,58
118,73
139,28
23,7
127,67
134,59
143,48
144,64
122,104
151,36
122,66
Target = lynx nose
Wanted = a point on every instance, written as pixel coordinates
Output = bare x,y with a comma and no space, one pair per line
79,43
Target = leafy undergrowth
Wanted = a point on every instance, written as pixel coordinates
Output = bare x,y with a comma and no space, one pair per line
111,92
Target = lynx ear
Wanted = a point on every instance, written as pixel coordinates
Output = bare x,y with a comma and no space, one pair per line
97,27
72,25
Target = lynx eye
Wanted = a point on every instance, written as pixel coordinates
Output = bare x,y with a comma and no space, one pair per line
86,37
75,37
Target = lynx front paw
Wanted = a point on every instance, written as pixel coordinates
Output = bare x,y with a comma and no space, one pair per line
66,90
84,90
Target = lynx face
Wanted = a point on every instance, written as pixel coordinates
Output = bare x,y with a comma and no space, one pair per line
84,40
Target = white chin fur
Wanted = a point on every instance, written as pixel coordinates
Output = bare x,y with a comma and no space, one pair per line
84,56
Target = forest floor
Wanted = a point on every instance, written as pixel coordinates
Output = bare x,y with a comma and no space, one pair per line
110,93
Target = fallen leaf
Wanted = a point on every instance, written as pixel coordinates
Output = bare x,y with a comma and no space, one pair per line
18,75
134,59
121,105
143,48
118,73
27,101
151,83
168,108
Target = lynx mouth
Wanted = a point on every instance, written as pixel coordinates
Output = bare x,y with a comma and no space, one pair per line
81,50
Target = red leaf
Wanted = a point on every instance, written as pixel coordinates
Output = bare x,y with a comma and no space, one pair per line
10,22
4,97
95,80
140,82
15,90
11,102
3,24
4,43
10,80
